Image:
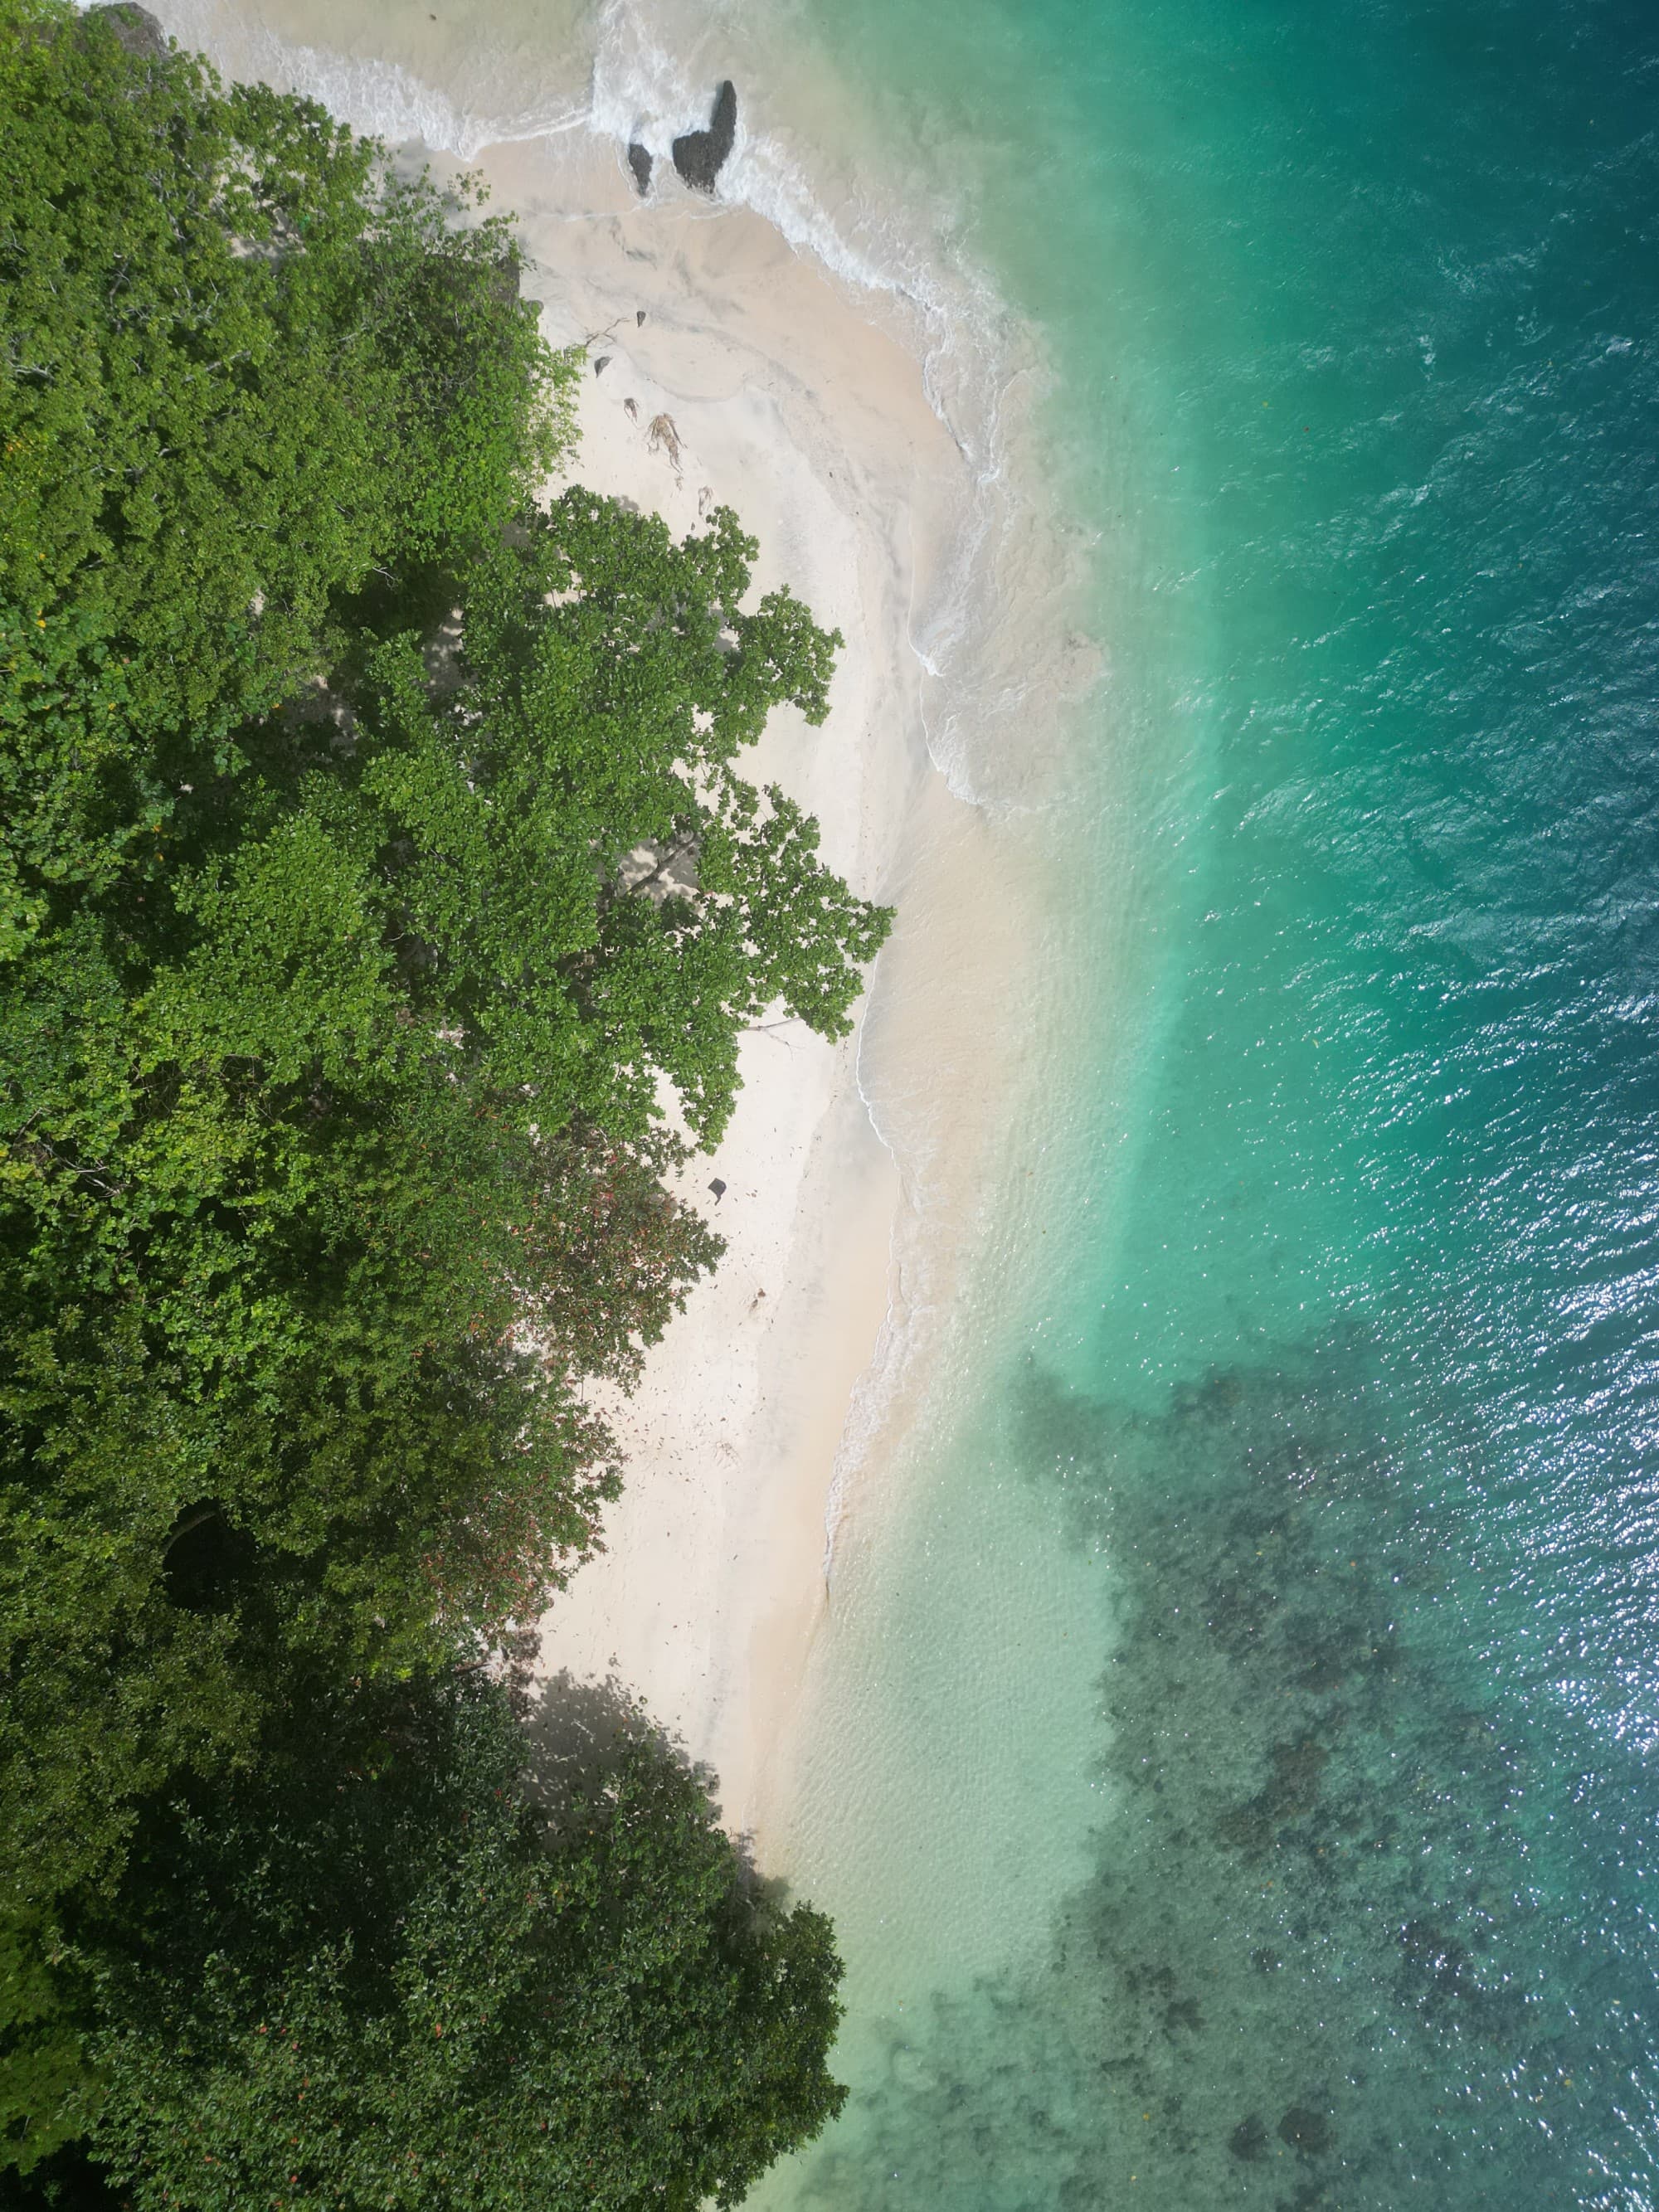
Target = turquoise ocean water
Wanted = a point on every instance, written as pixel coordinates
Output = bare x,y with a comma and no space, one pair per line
1233,1757
1325,1475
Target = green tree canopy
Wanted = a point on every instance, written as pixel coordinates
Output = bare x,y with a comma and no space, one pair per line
381,904
302,1134
244,366
415,1989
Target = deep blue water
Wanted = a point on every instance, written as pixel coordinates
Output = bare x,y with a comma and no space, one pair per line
1356,316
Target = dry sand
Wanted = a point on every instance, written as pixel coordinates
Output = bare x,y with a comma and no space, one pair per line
790,406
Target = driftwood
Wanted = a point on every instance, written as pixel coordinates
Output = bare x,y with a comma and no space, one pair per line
665,438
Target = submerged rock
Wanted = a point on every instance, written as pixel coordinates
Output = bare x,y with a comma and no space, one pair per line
1249,2140
638,160
1306,2132
700,155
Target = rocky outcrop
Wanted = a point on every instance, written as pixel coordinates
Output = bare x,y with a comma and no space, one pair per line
638,160
137,29
700,155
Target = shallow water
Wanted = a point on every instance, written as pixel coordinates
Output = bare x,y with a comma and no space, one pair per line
1345,1394
1231,1757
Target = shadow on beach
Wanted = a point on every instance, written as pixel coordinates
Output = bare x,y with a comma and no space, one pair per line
580,1734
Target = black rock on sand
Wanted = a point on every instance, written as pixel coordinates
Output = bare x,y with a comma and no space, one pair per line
638,160
700,155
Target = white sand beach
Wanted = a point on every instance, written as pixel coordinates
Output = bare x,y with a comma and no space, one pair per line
738,371
788,404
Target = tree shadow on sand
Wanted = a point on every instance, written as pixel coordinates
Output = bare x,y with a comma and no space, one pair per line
579,1735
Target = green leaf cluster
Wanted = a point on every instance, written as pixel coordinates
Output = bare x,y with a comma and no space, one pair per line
416,1990
381,904
243,365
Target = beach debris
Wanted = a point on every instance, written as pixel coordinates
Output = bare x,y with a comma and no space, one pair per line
662,437
602,364
631,409
639,316
705,492
700,155
719,1189
638,160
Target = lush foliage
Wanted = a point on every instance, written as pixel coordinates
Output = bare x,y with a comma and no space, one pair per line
404,1987
244,367
381,906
